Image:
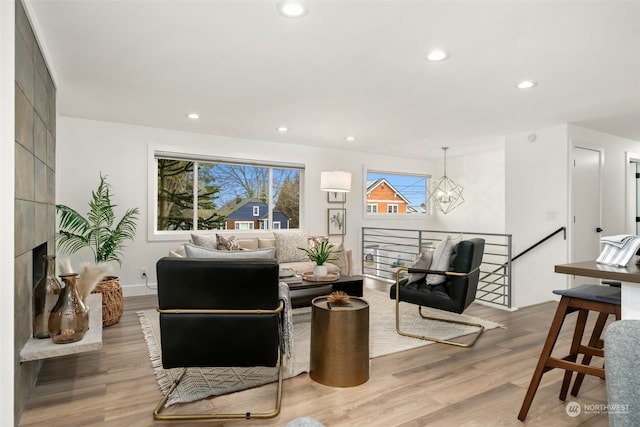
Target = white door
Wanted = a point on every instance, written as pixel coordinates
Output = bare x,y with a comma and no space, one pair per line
586,207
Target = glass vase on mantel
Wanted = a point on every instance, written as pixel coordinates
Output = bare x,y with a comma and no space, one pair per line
45,295
69,319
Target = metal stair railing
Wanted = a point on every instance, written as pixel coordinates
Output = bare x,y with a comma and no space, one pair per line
384,250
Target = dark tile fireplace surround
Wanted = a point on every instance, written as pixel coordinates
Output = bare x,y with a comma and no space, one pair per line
34,224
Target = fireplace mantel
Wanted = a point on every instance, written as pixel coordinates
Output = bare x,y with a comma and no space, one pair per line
36,349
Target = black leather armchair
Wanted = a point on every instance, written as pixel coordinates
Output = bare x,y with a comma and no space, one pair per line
217,313
454,295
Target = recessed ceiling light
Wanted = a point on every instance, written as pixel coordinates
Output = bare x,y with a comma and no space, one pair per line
350,138
193,116
526,84
436,55
292,9
283,129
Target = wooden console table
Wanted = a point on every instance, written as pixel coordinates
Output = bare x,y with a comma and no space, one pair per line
628,276
36,349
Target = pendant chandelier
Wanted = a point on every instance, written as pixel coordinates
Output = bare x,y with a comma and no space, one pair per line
446,194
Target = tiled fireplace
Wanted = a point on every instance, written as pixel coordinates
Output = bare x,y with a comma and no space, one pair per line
35,148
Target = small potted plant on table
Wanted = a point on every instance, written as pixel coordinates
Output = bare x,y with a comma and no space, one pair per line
320,254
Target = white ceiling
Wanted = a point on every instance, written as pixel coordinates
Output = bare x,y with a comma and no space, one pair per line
348,67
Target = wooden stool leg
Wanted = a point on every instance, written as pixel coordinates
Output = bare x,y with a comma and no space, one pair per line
581,322
594,342
549,343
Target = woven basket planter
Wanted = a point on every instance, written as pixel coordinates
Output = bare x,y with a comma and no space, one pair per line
112,300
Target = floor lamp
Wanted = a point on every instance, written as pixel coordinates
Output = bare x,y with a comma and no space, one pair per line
336,182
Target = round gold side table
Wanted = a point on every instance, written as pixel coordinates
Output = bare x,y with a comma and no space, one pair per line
339,343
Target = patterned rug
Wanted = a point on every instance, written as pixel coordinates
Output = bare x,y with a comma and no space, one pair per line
200,383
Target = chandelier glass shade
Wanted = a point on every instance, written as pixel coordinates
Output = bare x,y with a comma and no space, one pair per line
446,194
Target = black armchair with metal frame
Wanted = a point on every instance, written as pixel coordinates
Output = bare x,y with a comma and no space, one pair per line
454,295
219,313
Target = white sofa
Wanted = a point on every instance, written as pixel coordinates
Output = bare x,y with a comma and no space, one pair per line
286,244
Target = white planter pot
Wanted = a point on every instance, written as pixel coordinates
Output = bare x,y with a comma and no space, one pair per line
320,270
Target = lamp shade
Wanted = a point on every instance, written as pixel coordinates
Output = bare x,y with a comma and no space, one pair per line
336,181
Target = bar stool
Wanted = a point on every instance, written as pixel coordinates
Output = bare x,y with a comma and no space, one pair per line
604,300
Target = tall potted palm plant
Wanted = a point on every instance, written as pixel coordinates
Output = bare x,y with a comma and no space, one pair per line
106,238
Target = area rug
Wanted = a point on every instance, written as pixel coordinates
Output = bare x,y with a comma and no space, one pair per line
200,383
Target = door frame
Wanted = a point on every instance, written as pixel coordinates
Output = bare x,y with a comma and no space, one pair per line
630,198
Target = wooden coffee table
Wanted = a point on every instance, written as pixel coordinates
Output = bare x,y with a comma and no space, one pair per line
352,285
303,293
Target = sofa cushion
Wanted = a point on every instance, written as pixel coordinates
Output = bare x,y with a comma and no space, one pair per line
194,251
266,242
250,243
307,266
343,259
287,244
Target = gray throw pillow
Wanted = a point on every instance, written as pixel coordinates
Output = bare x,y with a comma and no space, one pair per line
194,251
423,262
442,258
287,244
205,240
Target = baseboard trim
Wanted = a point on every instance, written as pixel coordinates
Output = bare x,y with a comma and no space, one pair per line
139,290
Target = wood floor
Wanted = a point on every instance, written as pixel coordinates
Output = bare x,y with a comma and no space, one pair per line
434,385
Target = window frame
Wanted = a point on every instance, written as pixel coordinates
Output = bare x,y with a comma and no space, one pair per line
156,151
392,208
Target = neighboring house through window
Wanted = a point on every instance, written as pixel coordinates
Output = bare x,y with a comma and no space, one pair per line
229,194
395,193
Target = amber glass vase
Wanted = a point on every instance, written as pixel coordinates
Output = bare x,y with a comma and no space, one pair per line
45,296
69,319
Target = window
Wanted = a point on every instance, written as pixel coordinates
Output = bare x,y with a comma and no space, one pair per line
197,193
392,193
243,225
276,225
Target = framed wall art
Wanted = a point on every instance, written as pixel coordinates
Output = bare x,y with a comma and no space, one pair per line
336,221
336,197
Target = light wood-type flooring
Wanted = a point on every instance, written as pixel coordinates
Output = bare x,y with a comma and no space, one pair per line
434,385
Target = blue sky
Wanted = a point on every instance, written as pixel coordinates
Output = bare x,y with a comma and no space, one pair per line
413,187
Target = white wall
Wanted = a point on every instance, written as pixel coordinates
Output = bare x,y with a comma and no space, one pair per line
616,149
537,204
7,256
482,177
85,148
124,150
538,201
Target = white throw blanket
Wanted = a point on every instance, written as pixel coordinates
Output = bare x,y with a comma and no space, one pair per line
618,250
286,329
